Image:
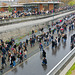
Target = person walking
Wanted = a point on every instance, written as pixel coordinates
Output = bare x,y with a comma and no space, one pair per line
53,44
56,41
18,57
13,59
47,41
25,54
44,61
3,51
44,53
10,60
41,47
21,57
3,61
27,41
59,40
44,41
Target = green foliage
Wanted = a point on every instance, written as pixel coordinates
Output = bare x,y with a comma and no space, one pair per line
71,3
0,7
71,69
10,9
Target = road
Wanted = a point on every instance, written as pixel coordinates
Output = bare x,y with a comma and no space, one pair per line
32,66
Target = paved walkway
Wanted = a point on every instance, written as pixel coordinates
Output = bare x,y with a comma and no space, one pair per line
33,66
36,48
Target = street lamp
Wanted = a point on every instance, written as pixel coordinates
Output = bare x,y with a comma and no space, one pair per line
53,14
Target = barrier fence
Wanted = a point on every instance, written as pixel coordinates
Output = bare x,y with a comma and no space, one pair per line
62,62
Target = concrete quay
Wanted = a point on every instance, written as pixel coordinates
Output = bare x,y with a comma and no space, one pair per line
19,29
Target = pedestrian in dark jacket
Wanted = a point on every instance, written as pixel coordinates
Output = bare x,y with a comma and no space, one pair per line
3,61
44,62
44,53
0,47
27,41
21,58
13,59
58,39
53,44
4,51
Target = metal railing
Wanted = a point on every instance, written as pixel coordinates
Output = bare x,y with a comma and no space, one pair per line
62,62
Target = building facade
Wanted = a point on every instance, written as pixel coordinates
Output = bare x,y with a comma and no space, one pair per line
41,6
29,5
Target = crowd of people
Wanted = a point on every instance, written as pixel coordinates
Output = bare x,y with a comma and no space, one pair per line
48,37
16,54
16,14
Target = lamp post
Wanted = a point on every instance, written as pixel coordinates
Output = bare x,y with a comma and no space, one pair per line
53,14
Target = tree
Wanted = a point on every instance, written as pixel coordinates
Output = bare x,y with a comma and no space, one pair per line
71,3
0,7
65,1
10,9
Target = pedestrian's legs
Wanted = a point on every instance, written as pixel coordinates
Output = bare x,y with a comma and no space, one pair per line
2,65
64,40
47,43
25,56
40,49
14,63
22,59
5,64
50,40
31,44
